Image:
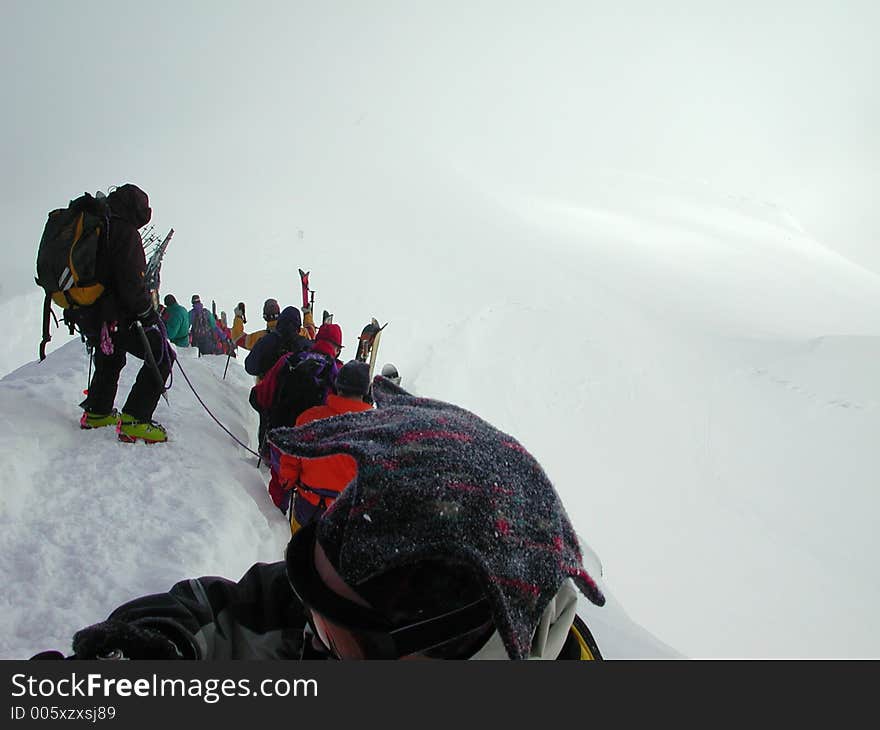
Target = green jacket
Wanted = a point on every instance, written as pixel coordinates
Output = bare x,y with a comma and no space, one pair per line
177,325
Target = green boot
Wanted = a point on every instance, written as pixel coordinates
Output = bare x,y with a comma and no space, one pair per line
130,429
96,420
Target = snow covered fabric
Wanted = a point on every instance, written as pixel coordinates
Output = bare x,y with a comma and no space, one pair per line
436,481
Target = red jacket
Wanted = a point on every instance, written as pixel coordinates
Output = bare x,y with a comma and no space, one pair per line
329,474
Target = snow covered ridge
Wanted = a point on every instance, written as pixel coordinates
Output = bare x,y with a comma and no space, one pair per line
714,259
87,522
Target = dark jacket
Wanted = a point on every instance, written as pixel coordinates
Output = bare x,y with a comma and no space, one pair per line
214,618
260,617
284,338
126,296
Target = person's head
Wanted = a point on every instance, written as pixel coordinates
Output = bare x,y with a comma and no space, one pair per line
196,299
430,609
169,300
289,323
271,310
331,334
353,380
444,515
390,371
130,203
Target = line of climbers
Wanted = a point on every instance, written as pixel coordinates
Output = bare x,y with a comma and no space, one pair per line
298,370
445,538
197,327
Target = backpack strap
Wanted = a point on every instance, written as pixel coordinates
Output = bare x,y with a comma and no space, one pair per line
588,649
302,509
47,310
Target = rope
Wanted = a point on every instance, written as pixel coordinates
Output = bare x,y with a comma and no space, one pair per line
208,410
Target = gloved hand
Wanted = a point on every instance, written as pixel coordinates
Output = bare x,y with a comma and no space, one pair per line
239,312
307,309
120,640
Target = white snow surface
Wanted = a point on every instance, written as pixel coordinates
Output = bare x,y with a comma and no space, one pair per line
94,522
696,374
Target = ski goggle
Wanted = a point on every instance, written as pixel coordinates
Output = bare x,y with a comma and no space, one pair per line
351,631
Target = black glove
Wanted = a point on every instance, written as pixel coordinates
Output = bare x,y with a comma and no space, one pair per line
119,640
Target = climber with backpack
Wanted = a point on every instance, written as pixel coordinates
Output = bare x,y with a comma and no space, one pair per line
203,331
284,338
91,263
313,484
296,382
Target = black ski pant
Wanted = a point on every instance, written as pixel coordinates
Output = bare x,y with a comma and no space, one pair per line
146,391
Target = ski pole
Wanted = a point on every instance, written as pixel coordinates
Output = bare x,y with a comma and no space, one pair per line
228,358
151,361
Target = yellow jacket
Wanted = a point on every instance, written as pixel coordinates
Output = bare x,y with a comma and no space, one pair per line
247,340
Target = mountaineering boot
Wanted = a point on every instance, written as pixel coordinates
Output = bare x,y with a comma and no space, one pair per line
129,429
96,420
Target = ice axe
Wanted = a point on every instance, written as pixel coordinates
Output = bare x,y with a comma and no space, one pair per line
150,360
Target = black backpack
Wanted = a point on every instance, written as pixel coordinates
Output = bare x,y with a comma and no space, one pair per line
70,256
68,259
303,382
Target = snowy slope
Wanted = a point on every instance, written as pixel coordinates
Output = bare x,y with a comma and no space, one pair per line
22,336
87,523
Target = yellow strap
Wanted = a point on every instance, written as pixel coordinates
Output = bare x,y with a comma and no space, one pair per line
586,654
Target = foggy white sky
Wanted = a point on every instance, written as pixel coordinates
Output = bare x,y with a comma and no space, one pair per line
248,122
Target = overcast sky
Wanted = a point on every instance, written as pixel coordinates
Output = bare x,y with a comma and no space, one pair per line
249,122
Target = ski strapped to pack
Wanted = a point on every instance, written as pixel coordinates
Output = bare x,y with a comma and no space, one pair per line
308,305
368,343
304,283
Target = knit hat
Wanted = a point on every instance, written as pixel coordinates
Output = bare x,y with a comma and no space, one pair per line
353,378
271,310
435,482
331,333
195,298
289,323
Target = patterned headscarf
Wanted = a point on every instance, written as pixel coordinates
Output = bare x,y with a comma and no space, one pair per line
435,481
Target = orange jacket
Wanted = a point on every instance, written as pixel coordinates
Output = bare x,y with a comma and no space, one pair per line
330,474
